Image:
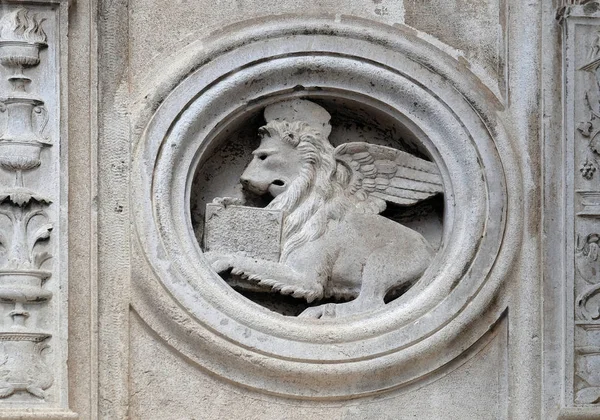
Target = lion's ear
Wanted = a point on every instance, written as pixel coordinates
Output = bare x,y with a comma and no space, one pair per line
381,174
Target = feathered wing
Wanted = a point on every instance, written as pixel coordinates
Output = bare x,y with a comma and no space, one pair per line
381,174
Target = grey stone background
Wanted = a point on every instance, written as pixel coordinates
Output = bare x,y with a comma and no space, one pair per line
120,368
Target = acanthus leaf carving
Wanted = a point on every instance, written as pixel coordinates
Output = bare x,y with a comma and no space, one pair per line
586,286
587,367
22,196
581,56
564,10
590,131
590,395
26,228
588,267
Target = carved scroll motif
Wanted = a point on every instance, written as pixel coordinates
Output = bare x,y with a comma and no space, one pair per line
589,129
588,268
585,312
576,2
25,228
587,364
587,317
564,10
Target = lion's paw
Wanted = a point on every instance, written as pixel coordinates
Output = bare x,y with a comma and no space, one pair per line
220,262
327,310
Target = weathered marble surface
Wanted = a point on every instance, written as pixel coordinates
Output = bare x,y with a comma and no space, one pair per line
158,105
326,199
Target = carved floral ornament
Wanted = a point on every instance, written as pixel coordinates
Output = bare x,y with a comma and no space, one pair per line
25,224
566,6
322,72
585,312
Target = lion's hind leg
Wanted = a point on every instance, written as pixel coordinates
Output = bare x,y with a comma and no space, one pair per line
381,273
370,297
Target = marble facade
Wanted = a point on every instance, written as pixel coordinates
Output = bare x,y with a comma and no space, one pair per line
355,209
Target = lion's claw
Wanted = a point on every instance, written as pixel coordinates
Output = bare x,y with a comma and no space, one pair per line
221,265
218,261
327,310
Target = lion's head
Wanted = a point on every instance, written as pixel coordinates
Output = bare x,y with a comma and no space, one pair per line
296,165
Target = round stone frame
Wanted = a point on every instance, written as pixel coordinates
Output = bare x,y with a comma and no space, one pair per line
243,69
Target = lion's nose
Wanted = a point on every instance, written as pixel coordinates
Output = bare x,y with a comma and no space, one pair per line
245,182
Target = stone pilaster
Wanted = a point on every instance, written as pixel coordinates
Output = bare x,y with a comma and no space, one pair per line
33,216
581,55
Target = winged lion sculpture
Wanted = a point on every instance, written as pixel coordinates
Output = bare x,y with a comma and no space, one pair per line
335,243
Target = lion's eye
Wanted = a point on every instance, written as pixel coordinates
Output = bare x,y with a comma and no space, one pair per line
262,156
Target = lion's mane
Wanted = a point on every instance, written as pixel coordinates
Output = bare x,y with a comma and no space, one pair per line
317,195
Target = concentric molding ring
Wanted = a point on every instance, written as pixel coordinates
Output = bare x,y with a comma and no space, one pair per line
388,70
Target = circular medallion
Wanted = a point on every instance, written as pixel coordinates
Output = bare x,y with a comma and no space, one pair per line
440,124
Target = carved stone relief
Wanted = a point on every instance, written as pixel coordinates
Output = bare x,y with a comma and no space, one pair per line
303,209
321,213
32,261
583,205
324,199
24,269
587,306
316,212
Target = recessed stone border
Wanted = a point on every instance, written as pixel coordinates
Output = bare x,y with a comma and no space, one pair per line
388,69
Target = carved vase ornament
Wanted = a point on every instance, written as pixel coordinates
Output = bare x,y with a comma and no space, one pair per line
25,226
21,39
